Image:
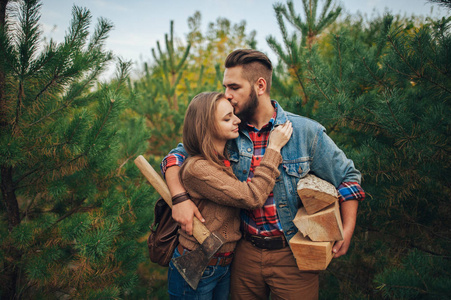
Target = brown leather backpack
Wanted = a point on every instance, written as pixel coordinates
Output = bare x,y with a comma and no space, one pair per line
163,237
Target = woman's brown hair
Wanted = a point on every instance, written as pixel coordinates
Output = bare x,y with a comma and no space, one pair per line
199,128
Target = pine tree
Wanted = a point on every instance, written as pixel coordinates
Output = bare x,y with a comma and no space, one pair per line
171,65
383,91
296,47
386,104
445,3
72,210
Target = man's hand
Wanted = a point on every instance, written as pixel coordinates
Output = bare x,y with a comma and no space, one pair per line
183,214
341,247
349,216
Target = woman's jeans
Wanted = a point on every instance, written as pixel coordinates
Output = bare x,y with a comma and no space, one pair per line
214,284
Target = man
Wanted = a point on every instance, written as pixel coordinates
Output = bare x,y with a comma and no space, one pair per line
264,264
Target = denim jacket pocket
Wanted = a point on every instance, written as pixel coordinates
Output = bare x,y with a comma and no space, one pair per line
295,170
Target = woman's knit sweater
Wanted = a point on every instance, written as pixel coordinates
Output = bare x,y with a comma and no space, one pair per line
219,195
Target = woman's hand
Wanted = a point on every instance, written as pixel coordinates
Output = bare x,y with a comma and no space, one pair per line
280,136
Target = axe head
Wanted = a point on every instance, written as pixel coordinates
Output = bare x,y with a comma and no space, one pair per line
193,264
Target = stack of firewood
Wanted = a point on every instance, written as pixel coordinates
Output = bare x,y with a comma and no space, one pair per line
319,224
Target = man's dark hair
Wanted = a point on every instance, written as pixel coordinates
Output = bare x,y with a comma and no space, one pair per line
255,65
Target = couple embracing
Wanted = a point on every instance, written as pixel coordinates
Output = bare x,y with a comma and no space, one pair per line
237,170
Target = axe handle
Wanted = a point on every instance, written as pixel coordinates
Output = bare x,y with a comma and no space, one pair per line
200,232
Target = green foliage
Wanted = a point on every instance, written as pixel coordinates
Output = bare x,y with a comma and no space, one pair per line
383,91
420,276
68,216
444,3
313,24
75,210
290,77
170,66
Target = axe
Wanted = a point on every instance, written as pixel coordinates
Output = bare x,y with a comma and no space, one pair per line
193,264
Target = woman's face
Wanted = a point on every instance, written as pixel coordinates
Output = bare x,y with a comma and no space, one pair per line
226,121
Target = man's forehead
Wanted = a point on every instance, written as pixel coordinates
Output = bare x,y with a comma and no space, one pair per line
233,75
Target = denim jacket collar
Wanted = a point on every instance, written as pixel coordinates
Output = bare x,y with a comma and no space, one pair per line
281,117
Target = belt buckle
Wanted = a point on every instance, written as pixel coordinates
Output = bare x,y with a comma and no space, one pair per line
260,242
265,241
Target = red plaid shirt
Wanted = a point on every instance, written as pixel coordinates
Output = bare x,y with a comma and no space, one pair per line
261,221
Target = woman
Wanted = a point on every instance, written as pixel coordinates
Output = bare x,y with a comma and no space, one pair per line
210,182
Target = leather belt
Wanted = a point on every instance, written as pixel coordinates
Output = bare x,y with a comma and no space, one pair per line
266,242
214,261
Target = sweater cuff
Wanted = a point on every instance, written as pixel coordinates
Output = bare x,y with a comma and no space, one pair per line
273,156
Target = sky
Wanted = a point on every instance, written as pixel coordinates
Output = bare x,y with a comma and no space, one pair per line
139,24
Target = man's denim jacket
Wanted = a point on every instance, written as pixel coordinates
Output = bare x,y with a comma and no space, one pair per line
310,149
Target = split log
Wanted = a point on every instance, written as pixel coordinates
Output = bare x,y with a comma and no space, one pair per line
311,256
316,193
323,226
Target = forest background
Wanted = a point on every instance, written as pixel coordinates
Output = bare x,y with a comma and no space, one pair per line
75,211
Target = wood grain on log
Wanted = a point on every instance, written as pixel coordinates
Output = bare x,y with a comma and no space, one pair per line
311,256
323,226
316,193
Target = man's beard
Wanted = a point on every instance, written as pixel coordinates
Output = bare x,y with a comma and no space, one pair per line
249,108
